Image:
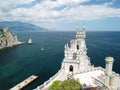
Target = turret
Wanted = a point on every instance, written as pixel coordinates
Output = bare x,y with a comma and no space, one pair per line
77,30
80,34
109,65
65,46
77,27
108,71
84,28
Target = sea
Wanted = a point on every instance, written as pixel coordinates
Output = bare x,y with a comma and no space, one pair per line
19,62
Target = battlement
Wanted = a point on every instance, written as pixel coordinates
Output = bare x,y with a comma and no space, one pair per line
81,34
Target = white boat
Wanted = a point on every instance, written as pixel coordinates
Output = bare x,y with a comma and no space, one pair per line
42,49
30,41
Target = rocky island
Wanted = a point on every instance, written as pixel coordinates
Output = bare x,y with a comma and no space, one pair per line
8,39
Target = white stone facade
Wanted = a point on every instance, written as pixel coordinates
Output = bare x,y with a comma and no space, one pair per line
76,59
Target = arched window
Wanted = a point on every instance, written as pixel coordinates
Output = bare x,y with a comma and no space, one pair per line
77,47
74,55
71,68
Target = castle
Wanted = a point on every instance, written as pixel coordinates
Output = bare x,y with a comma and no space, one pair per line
76,58
76,64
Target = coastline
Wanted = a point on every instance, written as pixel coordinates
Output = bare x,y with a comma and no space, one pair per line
13,44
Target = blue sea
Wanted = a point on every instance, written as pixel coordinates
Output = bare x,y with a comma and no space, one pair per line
20,62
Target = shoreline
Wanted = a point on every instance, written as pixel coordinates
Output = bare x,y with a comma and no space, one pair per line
13,44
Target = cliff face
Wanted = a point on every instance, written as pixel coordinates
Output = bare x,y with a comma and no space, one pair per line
7,38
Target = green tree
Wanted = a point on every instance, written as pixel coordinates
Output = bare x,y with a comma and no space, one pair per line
70,84
55,85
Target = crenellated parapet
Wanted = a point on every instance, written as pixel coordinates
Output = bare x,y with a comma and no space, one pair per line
80,34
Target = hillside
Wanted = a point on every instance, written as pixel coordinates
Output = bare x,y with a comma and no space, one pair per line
20,26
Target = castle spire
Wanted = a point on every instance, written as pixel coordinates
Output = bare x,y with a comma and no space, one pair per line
84,27
77,27
80,34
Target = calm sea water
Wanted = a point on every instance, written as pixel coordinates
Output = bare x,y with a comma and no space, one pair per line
18,63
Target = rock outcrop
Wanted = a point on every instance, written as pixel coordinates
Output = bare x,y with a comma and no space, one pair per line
8,39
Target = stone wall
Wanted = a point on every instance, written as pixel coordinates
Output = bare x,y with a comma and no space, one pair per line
45,85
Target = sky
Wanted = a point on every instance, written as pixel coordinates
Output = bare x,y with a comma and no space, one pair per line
63,15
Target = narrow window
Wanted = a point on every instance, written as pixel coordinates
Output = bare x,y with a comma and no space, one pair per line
77,47
71,68
74,55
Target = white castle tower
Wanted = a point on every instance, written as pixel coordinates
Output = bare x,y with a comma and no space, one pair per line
108,72
75,57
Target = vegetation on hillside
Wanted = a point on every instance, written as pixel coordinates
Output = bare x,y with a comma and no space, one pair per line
55,85
70,84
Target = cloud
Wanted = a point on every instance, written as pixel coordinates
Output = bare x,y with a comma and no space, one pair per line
54,12
10,4
7,6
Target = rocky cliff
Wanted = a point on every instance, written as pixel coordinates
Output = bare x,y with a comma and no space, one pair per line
7,38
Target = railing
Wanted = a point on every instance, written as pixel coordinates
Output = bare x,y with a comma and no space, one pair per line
92,68
43,86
